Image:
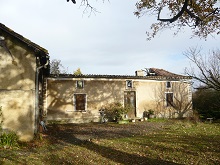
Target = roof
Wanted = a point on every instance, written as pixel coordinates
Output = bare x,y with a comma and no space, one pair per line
158,74
161,72
23,39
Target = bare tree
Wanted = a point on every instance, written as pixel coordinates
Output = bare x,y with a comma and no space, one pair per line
57,68
175,101
182,102
88,7
207,69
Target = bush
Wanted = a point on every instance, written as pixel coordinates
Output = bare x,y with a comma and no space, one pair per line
149,114
116,111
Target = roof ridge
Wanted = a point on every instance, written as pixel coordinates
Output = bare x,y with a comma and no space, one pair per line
117,76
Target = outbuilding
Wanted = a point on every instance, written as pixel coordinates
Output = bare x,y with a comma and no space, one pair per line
23,66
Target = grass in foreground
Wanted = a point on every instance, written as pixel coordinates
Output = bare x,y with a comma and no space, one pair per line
176,143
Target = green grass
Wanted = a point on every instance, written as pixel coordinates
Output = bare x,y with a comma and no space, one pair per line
157,120
177,143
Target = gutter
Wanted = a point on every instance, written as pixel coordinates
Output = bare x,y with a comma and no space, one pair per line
37,96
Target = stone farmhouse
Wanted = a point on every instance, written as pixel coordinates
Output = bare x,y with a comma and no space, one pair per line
78,98
29,94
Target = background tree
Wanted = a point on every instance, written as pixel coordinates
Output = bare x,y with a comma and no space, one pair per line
77,72
206,99
207,69
207,103
57,68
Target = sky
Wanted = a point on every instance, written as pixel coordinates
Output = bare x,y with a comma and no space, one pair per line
112,41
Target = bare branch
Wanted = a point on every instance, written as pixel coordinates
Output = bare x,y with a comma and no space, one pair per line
209,71
72,1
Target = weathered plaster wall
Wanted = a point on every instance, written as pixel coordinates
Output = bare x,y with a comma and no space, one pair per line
17,86
60,103
18,112
145,91
150,94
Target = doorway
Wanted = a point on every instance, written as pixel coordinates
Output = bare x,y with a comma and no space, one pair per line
130,100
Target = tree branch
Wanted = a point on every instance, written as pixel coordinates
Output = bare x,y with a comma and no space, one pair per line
184,8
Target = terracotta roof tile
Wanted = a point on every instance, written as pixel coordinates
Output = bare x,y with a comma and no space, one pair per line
162,72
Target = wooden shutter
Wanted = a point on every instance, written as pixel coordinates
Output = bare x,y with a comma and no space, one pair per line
80,102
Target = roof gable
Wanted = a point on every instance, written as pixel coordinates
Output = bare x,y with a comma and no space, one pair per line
23,39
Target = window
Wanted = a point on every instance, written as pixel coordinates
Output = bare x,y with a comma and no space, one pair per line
129,84
169,99
168,84
80,102
80,84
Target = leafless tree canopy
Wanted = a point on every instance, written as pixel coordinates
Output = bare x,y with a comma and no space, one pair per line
207,69
57,68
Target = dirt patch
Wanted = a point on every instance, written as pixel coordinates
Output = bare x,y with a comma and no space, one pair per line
75,133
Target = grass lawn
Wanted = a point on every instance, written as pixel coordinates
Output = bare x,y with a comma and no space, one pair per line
163,142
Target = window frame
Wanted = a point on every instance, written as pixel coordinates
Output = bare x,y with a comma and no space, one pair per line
166,99
127,84
75,103
168,86
78,86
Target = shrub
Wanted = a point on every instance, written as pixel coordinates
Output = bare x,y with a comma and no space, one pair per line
116,111
149,113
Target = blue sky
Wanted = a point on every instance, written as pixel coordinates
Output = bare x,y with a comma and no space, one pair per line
113,41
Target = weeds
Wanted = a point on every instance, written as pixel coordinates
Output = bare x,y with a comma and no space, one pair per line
1,120
8,140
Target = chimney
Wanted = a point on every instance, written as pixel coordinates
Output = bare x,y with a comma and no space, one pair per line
139,73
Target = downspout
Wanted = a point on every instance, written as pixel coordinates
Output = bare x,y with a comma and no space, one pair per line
37,96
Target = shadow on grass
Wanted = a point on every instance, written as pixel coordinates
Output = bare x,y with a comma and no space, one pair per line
108,152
